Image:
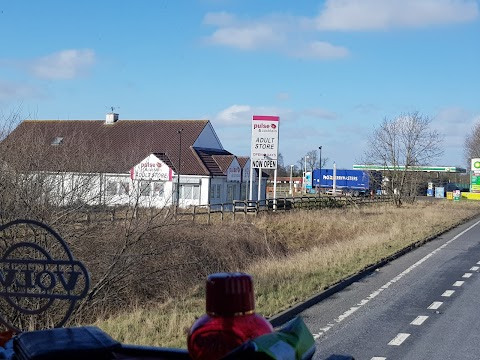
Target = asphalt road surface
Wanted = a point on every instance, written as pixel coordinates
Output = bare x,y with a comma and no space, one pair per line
424,305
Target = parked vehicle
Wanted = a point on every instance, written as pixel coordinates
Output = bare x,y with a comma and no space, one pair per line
348,182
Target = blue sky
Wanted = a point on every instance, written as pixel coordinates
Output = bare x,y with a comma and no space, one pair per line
332,70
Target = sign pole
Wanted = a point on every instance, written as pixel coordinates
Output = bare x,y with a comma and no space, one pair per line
250,196
275,190
259,184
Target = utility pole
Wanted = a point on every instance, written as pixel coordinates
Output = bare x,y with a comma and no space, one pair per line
291,170
305,175
320,166
179,132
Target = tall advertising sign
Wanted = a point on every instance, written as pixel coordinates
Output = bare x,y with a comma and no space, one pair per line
475,176
264,149
264,152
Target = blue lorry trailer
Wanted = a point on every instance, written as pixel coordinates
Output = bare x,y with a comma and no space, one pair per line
353,182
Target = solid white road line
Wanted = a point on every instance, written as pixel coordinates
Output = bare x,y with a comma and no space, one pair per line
467,275
448,293
475,268
399,339
419,320
458,283
388,284
435,305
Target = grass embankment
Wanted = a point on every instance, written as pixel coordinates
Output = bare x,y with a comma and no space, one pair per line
317,249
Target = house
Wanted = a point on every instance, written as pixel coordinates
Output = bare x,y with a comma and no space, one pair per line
153,162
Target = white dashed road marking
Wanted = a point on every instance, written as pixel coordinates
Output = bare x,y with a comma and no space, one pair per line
448,293
419,320
388,284
399,339
474,268
378,358
458,283
435,305
467,275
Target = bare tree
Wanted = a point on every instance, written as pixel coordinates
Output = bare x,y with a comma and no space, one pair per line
401,145
312,161
472,144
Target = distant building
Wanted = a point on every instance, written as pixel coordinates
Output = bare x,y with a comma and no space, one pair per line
133,160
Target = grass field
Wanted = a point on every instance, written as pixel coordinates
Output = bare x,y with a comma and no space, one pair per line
303,253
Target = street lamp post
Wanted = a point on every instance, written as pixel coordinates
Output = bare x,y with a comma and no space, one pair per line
320,166
179,132
291,170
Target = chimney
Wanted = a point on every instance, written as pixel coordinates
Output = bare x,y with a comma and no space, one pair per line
111,118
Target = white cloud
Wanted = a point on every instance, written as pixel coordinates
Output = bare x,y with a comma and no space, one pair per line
242,114
320,50
246,37
65,64
278,33
300,131
234,114
386,14
12,91
297,36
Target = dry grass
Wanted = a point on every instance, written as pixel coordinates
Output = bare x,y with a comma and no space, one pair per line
291,256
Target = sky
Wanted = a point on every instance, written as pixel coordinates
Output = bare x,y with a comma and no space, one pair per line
331,70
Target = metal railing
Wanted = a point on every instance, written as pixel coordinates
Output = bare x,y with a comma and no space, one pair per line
244,208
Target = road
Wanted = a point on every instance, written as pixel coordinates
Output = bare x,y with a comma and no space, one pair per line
424,305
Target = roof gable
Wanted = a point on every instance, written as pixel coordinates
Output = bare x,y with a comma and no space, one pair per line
209,158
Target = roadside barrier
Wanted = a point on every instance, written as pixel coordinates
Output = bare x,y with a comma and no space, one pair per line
243,208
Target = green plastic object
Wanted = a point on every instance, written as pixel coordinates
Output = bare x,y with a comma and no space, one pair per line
292,342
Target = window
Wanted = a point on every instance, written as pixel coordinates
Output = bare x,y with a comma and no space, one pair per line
230,192
187,192
57,141
215,191
124,188
145,189
196,192
190,192
112,188
158,188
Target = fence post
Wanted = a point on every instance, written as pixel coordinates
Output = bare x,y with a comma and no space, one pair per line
233,210
193,213
221,211
209,211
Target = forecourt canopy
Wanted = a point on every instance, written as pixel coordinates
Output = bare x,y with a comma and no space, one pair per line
449,169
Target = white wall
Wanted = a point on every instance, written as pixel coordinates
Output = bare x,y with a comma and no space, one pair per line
208,139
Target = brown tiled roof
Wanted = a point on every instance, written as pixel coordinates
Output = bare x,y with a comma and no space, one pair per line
223,161
242,160
208,157
94,146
